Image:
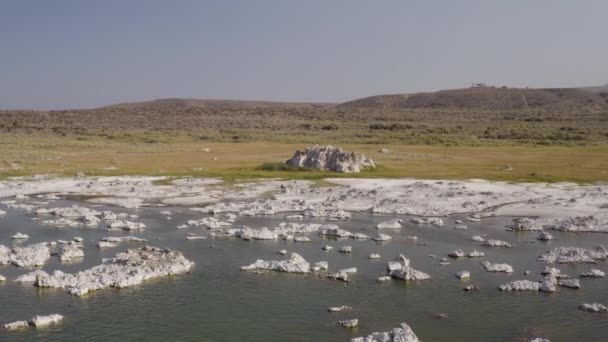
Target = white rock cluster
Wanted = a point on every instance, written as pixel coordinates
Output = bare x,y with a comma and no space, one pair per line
330,158
400,269
593,307
390,224
295,264
496,243
506,268
36,321
28,256
572,255
401,334
126,269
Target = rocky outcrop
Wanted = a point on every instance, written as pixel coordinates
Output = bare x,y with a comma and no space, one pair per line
36,321
330,158
496,243
126,269
390,224
520,285
28,256
401,334
573,255
593,273
400,269
70,252
339,308
594,307
295,264
506,268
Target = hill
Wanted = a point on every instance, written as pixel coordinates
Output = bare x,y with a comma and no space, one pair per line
459,116
490,98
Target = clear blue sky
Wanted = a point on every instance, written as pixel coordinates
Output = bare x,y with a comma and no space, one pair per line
72,54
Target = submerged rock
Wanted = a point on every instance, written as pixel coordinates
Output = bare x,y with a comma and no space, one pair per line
330,158
125,269
295,264
401,334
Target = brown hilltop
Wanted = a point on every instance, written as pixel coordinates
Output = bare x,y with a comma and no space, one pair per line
489,98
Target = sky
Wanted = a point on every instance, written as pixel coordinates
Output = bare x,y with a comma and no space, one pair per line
82,54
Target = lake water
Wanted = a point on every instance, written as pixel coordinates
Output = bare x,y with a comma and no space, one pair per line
218,302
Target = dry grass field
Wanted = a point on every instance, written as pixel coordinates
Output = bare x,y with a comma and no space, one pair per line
30,154
493,133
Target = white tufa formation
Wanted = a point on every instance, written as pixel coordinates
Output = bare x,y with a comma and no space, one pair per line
330,158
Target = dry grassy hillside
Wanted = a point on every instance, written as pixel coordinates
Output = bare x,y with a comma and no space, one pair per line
453,117
490,98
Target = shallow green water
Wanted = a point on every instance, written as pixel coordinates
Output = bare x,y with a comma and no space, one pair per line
218,302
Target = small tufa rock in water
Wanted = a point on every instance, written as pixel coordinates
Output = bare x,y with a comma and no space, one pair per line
544,236
400,269
295,264
506,268
339,308
346,249
382,237
593,273
496,243
20,236
594,307
391,224
463,275
401,334
330,158
470,288
349,323
36,321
